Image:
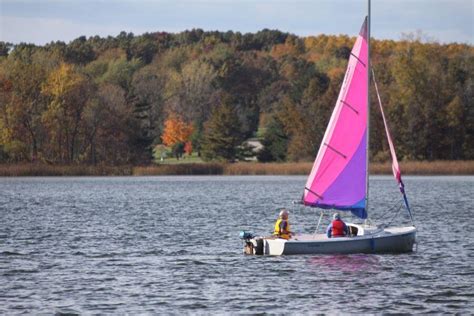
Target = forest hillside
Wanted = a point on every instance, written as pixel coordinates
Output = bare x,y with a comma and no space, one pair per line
117,100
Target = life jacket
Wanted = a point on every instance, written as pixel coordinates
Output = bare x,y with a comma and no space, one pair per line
282,228
337,228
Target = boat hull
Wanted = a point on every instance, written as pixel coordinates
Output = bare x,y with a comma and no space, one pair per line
395,240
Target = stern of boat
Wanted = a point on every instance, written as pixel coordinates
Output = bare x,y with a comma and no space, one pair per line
254,245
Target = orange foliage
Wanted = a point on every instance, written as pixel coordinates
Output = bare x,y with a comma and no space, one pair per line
176,131
288,48
335,73
188,148
5,85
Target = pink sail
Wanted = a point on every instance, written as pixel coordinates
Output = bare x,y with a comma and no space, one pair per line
338,177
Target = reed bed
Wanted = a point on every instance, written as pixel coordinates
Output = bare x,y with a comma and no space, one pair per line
180,169
240,168
439,167
248,168
44,170
302,168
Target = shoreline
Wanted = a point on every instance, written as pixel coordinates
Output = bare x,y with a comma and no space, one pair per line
241,168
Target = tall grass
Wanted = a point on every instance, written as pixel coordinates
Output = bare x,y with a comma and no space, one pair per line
241,168
438,167
304,168
35,169
180,169
248,168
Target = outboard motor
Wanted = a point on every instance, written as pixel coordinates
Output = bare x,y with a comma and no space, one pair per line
253,246
246,235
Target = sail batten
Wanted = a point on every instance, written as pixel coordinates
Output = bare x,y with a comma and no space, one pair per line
350,106
339,171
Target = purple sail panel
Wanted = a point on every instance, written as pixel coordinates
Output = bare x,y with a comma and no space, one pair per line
344,138
347,192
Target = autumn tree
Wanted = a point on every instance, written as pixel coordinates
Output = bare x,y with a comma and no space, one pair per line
148,85
109,127
143,47
120,72
176,130
423,96
189,91
188,148
22,108
176,133
68,92
6,126
197,79
292,46
243,77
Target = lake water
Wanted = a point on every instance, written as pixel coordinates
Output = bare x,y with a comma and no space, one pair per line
170,245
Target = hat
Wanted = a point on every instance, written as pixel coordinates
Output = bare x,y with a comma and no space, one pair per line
284,212
336,216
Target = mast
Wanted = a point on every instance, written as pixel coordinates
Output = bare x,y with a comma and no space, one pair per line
368,110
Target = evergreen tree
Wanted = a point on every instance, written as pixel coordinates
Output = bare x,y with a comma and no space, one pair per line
275,142
222,134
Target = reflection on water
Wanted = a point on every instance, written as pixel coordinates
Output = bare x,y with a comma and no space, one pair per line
164,245
345,263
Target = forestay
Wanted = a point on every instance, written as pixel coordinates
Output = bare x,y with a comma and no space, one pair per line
395,166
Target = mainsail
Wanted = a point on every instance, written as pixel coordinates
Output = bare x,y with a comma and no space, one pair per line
338,177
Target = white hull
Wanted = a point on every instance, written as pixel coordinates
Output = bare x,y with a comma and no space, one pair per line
368,240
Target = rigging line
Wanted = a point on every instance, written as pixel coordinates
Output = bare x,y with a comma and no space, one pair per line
398,204
350,106
319,222
358,59
395,167
319,196
391,220
396,214
335,150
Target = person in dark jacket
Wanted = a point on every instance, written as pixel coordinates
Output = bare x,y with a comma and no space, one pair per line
337,228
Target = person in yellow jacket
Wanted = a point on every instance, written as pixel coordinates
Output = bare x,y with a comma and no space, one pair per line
282,226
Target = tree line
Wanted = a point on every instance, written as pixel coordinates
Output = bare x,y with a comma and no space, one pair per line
114,100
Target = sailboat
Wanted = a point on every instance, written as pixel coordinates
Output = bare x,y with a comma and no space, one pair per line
339,178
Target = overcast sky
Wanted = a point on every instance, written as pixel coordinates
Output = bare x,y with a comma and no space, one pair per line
42,21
